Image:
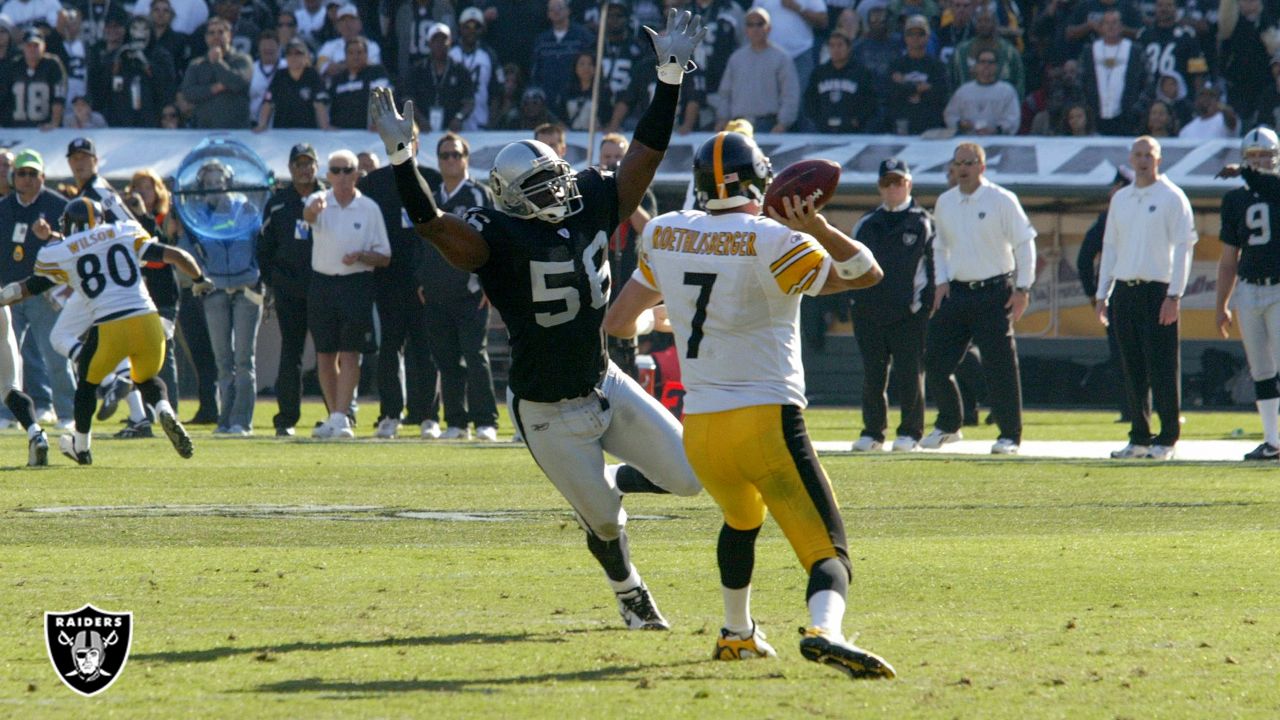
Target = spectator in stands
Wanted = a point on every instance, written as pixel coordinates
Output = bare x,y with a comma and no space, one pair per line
269,62
170,118
759,83
1244,54
73,51
26,13
841,96
1076,120
349,90
9,36
284,257
553,135
1167,44
984,105
1212,120
234,308
481,63
83,116
1008,60
712,54
457,312
1086,21
286,27
1172,89
35,86
531,113
509,96
186,16
555,49
918,93
167,36
143,79
1161,120
878,47
6,168
409,36
1146,256
626,67
243,17
216,86
901,10
332,60
19,212
440,86
1269,101
349,240
794,23
955,28
514,27
575,103
297,97
1113,73
367,162
311,16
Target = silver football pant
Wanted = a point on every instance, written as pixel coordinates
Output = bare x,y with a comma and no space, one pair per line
1258,311
10,357
73,322
568,440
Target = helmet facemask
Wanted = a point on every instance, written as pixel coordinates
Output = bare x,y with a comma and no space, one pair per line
546,190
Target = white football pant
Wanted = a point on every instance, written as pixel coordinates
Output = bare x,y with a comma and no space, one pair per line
10,357
73,322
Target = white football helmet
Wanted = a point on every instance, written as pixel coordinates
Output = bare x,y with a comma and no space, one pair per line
1260,148
530,180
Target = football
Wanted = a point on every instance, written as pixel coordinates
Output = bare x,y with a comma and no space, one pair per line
815,179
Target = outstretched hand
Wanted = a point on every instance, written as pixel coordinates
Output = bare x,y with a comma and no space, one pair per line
396,130
1228,171
674,46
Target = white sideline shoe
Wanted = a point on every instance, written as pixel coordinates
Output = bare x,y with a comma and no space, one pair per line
487,433
937,438
1004,446
1131,451
866,443
1160,452
905,443
456,433
430,430
388,428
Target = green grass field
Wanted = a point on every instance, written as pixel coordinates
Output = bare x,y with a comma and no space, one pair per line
997,587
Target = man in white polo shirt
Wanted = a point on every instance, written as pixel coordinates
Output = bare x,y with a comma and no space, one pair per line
1146,256
349,240
984,263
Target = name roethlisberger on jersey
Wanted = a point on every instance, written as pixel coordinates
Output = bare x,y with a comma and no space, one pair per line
695,242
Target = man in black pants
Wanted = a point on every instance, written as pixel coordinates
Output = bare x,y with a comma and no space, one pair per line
1146,256
890,318
401,315
1087,271
985,261
284,259
457,312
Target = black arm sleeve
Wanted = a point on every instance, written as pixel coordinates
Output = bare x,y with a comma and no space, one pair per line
1265,184
37,284
654,128
154,253
1090,249
415,193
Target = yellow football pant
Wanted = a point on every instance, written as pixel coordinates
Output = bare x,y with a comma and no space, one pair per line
759,459
139,338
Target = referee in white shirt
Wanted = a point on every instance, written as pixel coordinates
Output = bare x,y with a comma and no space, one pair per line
984,260
1146,256
349,240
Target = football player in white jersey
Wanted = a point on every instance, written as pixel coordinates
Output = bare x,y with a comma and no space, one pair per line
18,402
733,281
102,262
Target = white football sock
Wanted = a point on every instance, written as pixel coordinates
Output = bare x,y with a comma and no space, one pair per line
1269,409
826,610
33,430
164,406
337,420
82,440
632,582
137,412
737,609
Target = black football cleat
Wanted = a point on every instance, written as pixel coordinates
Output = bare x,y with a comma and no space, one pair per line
639,611
849,659
1265,451
176,433
67,444
135,431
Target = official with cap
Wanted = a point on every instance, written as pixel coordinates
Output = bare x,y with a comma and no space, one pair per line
284,259
984,259
1146,258
890,318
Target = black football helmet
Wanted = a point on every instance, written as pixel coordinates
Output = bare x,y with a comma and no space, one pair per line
81,213
729,171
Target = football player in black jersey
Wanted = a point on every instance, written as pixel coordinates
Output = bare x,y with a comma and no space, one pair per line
1251,256
542,259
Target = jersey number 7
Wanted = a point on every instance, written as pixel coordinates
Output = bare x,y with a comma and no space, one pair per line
704,282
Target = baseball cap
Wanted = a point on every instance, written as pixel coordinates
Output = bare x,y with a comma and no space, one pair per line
303,149
348,9
28,159
918,22
81,144
894,166
32,35
768,20
297,43
438,29
471,14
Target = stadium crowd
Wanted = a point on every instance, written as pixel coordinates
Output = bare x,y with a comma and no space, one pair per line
1191,68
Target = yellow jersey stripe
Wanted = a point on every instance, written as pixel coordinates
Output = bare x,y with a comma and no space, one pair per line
646,271
801,273
777,264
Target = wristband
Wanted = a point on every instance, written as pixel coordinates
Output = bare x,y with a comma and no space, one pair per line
856,266
11,293
402,154
671,74
645,322
1022,289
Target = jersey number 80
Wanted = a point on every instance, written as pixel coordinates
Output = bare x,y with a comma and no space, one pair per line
120,267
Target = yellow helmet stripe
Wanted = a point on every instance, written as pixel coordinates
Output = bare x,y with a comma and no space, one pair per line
88,207
717,163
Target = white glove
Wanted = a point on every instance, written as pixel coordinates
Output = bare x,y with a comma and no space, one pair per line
395,130
11,293
202,286
676,44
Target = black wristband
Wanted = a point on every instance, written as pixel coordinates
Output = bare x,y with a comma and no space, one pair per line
654,128
415,193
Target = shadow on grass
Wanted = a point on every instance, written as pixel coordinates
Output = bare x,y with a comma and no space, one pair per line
354,690
226,651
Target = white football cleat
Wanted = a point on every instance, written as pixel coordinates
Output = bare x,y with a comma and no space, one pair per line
905,443
1160,452
1004,446
866,443
1131,451
734,646
937,438
487,433
430,430
388,428
639,611
456,433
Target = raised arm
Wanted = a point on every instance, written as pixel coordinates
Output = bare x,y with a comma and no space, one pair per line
462,245
674,48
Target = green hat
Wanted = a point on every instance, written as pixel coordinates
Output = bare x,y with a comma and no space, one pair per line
28,159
